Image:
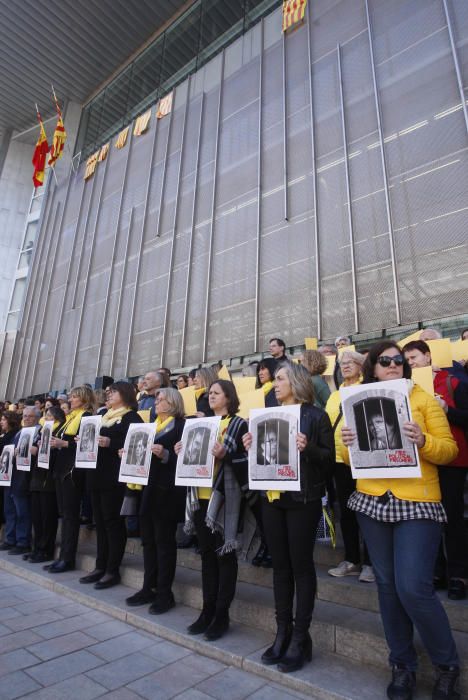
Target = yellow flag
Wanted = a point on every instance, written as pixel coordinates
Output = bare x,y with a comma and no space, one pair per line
122,138
441,352
224,373
190,403
293,13
459,350
311,343
423,377
142,123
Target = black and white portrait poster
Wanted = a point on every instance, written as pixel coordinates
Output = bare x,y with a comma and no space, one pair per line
23,456
6,465
195,463
274,462
87,446
377,413
136,456
44,450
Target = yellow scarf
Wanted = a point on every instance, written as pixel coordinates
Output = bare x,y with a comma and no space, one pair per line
267,387
114,415
72,424
204,492
161,424
200,392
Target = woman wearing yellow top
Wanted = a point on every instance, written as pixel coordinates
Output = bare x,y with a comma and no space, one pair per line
401,521
214,514
69,481
162,507
351,368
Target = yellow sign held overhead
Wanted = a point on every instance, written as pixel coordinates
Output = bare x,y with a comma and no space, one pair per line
311,343
409,338
190,403
459,350
441,352
224,373
331,361
347,348
253,399
423,377
244,385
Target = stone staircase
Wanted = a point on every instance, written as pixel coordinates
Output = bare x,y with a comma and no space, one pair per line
350,653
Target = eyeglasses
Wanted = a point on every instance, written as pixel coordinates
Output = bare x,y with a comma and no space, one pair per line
386,360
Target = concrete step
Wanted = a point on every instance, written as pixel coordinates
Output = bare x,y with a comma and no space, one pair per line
330,676
337,627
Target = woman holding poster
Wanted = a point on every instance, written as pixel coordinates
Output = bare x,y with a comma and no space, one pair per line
291,518
402,521
107,492
162,507
214,513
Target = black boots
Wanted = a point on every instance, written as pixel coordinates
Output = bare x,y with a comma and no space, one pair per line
275,653
298,652
263,557
402,685
218,627
446,685
202,623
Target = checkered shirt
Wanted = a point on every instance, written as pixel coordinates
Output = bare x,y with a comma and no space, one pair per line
390,509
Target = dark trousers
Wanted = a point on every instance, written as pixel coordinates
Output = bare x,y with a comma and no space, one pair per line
290,529
44,514
111,533
452,484
345,485
69,494
17,511
219,573
158,537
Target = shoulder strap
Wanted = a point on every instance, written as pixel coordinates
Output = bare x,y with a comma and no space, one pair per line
338,418
450,388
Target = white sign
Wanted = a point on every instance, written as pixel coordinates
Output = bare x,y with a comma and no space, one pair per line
44,450
87,446
136,457
274,461
6,465
23,457
195,463
377,413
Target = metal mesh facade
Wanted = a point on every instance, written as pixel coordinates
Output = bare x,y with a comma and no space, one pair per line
252,211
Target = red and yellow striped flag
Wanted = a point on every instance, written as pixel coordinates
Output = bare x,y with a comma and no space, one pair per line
293,13
165,106
122,138
91,164
142,123
58,142
103,153
39,156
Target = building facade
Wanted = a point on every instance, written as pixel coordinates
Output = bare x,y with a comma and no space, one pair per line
309,184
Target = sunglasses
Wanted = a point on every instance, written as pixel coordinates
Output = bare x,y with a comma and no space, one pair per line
386,360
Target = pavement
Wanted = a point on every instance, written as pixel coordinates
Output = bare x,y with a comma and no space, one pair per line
55,648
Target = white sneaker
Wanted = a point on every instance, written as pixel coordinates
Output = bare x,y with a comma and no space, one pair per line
345,568
367,574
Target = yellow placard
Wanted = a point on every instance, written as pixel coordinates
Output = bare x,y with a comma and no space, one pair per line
253,399
145,414
409,338
188,397
224,373
331,362
459,350
311,343
441,352
244,385
347,348
423,377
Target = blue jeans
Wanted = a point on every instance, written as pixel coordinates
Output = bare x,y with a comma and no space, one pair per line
17,511
403,556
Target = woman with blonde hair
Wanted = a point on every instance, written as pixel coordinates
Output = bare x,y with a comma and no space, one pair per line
316,363
69,481
351,364
204,378
290,520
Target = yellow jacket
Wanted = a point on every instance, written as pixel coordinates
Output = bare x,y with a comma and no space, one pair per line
333,410
439,448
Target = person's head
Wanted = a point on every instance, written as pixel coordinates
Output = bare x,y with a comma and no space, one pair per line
167,373
82,398
417,354
430,334
121,394
269,444
266,369
65,406
182,381
328,350
100,397
62,397
204,377
169,402
50,402
342,341
154,381
191,377
351,364
277,348
314,362
464,334
20,405
140,382
31,415
223,398
377,426
56,414
39,404
140,447
385,361
10,421
293,384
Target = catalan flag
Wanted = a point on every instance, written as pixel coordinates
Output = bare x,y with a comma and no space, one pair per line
122,138
40,154
58,142
293,13
103,153
165,106
91,164
142,123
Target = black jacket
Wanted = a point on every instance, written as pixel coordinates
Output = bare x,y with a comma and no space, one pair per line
106,474
270,399
20,480
64,458
318,458
203,405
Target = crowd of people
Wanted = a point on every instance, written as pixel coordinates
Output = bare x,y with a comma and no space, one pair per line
407,535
